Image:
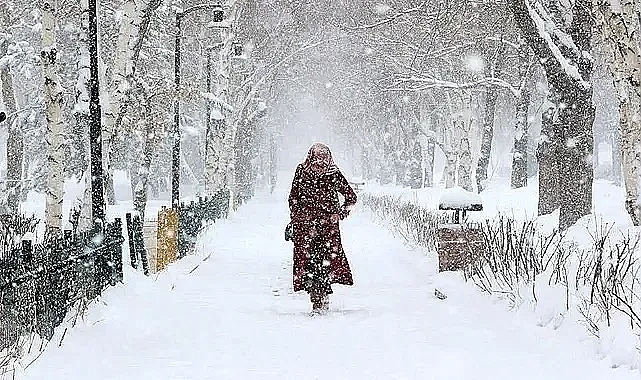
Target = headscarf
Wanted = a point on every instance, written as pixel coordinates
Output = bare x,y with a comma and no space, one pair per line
322,152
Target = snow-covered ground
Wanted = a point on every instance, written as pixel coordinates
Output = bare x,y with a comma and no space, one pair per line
227,312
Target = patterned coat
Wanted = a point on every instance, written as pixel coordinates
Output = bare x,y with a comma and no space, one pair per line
312,200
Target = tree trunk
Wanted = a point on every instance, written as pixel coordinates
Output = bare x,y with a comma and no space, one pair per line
428,164
486,141
119,86
54,101
630,124
465,166
15,143
519,158
272,164
615,143
83,118
450,168
140,189
576,171
547,154
619,29
568,82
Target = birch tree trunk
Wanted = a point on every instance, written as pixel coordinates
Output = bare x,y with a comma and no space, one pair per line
451,151
82,114
140,189
220,163
465,165
118,91
615,141
620,28
54,100
428,163
15,143
133,31
428,145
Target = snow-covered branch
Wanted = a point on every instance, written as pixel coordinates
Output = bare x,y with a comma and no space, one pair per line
392,18
570,69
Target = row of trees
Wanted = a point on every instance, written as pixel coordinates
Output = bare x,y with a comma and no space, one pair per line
44,73
411,78
398,81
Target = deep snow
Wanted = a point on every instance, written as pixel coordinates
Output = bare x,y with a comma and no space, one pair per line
227,312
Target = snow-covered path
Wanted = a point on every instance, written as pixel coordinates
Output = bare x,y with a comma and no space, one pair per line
233,317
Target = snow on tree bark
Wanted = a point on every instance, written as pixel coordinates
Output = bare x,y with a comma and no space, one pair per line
54,101
564,53
118,89
220,163
465,165
619,28
82,113
15,140
547,154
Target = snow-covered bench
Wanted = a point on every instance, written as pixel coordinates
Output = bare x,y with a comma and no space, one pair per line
459,242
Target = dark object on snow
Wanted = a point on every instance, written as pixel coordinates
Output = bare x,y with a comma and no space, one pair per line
319,259
3,117
440,295
289,233
459,243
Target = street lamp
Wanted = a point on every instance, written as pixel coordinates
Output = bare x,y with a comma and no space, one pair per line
175,154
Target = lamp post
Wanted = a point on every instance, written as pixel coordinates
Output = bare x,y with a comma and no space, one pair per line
175,153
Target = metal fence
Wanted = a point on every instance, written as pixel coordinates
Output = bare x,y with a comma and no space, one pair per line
191,217
39,283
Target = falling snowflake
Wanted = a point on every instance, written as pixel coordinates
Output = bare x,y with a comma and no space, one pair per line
474,63
382,9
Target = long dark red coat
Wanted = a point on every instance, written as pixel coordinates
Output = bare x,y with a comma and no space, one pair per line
312,200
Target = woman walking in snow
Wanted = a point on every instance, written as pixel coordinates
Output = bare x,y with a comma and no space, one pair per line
319,259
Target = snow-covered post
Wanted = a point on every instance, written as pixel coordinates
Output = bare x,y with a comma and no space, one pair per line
54,101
